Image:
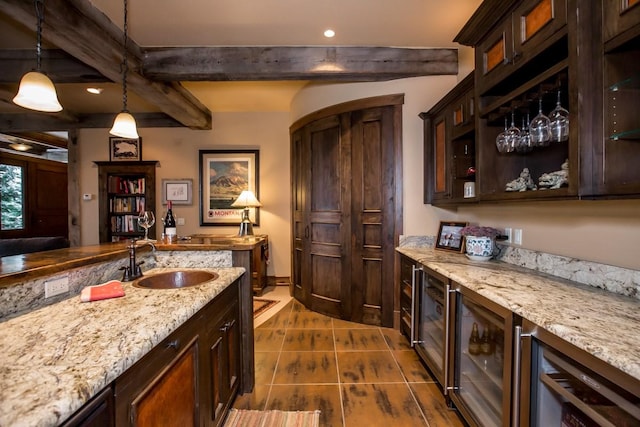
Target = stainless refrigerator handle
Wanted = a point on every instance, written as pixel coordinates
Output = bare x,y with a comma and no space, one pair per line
447,323
517,372
414,271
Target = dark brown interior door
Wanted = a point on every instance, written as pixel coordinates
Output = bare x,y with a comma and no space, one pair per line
47,193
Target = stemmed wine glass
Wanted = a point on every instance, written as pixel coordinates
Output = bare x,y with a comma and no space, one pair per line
559,122
146,219
539,128
501,141
512,138
525,144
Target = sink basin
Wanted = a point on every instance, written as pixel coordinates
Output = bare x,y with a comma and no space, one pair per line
174,279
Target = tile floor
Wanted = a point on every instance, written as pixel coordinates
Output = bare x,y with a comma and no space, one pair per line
357,375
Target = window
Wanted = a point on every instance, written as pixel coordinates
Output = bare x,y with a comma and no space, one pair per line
12,197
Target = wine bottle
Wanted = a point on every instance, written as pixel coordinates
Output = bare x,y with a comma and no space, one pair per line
474,341
485,342
170,230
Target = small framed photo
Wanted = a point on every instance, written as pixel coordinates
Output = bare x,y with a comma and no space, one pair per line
124,149
179,191
449,237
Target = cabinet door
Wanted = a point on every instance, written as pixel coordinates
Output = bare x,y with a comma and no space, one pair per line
535,24
494,54
171,398
440,134
98,412
620,17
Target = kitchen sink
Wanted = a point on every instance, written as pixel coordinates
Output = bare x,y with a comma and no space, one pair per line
175,279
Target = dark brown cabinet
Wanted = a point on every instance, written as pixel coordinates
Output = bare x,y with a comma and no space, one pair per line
124,189
259,258
407,277
191,377
98,412
346,212
450,147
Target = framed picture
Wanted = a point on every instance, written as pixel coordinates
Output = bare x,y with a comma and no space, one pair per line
177,190
224,174
124,149
449,237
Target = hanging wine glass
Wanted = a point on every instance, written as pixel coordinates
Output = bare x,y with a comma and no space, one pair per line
512,138
525,144
146,219
559,122
501,139
539,128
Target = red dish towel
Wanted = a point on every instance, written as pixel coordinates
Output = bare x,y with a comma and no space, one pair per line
111,289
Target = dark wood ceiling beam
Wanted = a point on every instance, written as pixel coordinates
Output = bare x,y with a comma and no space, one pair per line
84,32
296,63
37,121
59,66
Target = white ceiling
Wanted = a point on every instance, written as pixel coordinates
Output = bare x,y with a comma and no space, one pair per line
398,23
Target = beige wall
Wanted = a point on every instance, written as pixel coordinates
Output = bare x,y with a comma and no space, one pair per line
601,231
177,153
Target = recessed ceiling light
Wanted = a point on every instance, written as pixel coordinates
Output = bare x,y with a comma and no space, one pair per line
21,146
329,33
95,90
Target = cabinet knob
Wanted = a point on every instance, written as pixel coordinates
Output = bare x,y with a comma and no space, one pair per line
173,344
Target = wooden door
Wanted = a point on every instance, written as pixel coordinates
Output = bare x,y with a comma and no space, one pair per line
345,190
48,214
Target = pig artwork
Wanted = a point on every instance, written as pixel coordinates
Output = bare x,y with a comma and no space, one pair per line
125,149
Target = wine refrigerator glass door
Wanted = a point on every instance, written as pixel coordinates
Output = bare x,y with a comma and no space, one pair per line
482,360
431,338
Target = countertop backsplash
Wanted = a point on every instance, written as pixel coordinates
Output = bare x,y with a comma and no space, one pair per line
622,281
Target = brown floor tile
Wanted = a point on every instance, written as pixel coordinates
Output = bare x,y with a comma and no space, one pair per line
368,367
325,397
395,340
309,319
359,339
268,339
433,405
265,365
255,400
411,366
308,340
306,367
297,306
344,324
280,320
383,405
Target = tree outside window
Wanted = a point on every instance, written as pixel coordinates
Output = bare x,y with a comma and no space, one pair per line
12,197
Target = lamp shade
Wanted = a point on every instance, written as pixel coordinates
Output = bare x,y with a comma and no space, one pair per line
124,126
36,92
246,199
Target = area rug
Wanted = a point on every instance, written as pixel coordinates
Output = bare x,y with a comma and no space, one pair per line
260,305
247,418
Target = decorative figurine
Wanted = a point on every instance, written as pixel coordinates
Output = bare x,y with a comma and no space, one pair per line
555,179
523,183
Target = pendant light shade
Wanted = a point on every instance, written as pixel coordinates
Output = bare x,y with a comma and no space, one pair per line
36,92
124,126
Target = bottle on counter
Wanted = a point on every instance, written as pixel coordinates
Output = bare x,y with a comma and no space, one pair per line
485,341
474,341
170,231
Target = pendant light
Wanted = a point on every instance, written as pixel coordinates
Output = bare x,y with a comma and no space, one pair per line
36,91
124,125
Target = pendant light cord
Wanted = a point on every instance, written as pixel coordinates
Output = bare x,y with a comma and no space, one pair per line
125,61
39,4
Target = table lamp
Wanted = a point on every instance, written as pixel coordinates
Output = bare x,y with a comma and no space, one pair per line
246,200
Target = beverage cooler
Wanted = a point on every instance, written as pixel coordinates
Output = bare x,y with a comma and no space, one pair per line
560,385
480,359
429,337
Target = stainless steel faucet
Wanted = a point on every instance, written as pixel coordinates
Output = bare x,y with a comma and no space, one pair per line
133,270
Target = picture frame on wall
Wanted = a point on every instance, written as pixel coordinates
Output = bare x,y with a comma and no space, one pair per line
179,191
125,149
224,174
449,237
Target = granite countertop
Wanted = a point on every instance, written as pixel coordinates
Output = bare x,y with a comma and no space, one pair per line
599,322
56,358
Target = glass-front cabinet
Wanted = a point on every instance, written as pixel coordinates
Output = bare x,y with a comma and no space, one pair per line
480,359
431,339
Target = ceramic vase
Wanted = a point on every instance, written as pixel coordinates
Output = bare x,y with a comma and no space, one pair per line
481,247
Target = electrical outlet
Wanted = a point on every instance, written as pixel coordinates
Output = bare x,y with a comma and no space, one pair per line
179,221
517,236
56,287
508,233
